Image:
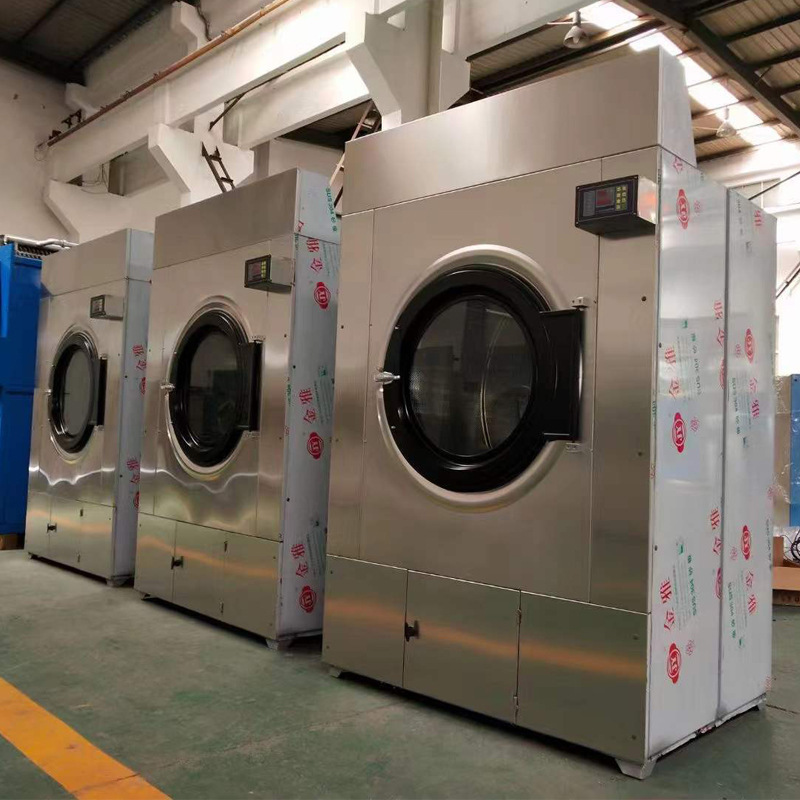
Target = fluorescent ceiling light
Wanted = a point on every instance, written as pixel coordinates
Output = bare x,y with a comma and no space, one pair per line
656,40
760,135
607,15
694,72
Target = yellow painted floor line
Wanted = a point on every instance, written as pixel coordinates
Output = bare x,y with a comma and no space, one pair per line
80,767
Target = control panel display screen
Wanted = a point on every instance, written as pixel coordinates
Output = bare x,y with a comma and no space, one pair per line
257,273
610,207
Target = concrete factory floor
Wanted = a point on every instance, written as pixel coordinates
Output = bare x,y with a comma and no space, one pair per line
200,711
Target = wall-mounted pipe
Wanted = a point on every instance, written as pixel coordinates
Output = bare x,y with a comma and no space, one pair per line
53,245
173,68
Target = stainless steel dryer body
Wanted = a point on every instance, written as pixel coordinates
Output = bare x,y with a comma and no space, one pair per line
239,404
582,585
83,490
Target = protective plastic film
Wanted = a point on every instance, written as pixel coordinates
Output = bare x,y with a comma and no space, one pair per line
686,484
746,580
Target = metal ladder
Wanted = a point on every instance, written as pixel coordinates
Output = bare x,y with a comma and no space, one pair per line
366,124
221,176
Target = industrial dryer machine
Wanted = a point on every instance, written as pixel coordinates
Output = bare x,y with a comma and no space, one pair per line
538,292
83,490
240,396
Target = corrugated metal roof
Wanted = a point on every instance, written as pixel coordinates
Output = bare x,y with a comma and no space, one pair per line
542,50
57,36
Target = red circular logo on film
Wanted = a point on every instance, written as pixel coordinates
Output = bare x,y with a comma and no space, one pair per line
679,433
749,345
307,599
674,663
746,542
315,445
718,584
322,294
683,209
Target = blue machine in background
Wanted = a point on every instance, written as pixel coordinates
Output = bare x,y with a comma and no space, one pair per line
20,288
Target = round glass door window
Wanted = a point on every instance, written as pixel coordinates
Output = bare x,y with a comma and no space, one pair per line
213,400
484,369
76,392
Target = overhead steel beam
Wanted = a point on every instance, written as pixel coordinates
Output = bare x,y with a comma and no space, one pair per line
710,6
42,18
781,58
714,46
792,87
778,22
115,36
534,67
41,64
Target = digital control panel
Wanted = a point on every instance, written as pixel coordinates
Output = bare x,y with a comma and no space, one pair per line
616,207
105,306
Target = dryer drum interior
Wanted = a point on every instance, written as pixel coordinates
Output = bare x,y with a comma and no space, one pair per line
488,374
77,392
216,374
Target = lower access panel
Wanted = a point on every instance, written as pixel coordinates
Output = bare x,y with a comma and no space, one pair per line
65,532
250,583
36,522
199,569
95,539
583,674
155,547
462,643
364,615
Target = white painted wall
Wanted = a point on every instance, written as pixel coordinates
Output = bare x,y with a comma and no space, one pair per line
30,107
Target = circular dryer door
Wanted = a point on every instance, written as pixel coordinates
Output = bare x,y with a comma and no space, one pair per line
77,392
215,377
486,375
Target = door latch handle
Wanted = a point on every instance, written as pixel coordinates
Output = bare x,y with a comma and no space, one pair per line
412,631
176,562
167,387
52,527
384,378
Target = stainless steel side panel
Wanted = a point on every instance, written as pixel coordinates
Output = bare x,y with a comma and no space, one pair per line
364,616
37,519
583,674
538,541
155,547
250,583
626,325
466,650
352,344
198,583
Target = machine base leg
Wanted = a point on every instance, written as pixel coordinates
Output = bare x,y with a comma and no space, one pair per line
762,705
116,582
634,770
279,644
335,672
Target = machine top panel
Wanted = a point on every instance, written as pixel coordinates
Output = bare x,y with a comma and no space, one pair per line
280,205
123,254
622,105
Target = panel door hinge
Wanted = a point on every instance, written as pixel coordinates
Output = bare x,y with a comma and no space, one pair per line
519,616
176,562
222,607
516,703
